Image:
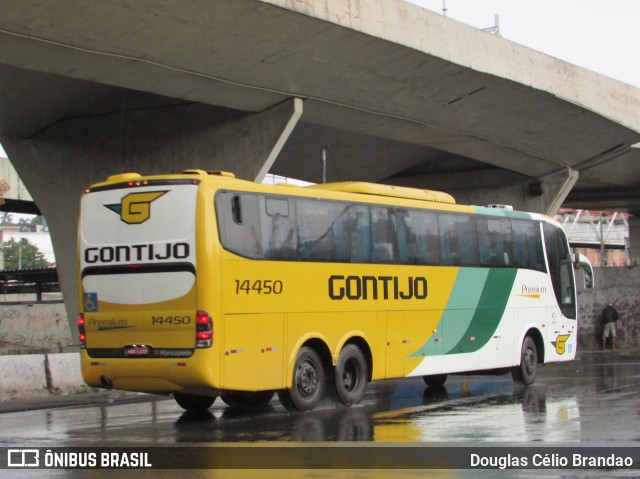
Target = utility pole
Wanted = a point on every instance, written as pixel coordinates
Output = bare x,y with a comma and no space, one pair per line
324,163
495,29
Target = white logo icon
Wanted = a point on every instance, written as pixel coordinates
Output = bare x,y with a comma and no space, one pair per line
23,458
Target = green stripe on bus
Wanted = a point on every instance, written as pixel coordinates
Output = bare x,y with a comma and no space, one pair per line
458,314
489,312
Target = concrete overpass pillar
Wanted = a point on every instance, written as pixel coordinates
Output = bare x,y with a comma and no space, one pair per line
60,162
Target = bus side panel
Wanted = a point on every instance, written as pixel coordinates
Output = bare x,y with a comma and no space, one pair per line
499,350
487,312
271,347
417,326
253,352
240,349
379,351
332,328
394,365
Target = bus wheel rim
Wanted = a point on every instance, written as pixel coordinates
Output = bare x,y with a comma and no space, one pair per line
529,361
307,378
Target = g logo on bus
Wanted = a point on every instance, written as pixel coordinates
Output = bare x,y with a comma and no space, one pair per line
135,208
560,343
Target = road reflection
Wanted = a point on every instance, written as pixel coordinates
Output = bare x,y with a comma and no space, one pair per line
524,415
595,401
468,410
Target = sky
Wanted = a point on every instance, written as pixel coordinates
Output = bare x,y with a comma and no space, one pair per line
600,35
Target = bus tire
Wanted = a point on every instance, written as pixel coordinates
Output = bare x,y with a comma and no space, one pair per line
193,402
308,383
435,380
243,399
525,372
350,375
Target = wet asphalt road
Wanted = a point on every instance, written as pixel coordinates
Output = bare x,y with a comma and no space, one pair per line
593,401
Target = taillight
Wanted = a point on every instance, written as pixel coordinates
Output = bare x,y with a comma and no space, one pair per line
204,330
82,336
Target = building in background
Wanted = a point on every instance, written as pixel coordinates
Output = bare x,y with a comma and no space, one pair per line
602,236
18,226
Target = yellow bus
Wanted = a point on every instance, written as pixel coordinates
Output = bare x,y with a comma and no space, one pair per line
202,285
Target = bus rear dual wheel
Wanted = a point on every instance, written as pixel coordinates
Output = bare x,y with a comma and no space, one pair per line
350,379
196,403
243,399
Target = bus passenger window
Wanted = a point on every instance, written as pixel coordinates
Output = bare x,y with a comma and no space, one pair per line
277,207
360,232
494,241
323,230
458,245
417,237
507,239
373,234
527,246
384,235
278,230
239,223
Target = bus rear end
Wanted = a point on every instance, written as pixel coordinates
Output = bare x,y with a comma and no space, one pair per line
139,325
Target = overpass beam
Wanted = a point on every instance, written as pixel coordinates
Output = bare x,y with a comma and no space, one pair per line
565,189
60,162
293,109
249,145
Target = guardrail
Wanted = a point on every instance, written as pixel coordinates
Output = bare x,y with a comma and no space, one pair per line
29,281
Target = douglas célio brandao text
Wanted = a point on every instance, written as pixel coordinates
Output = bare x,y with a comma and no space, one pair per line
533,460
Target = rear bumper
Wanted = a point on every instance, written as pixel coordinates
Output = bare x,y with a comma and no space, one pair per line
149,374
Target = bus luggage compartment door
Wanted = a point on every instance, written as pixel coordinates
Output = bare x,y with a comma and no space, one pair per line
253,352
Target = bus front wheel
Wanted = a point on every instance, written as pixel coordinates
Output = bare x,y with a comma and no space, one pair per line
308,382
525,372
351,374
435,380
193,402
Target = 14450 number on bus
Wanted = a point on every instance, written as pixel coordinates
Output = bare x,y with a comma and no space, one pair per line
172,320
258,286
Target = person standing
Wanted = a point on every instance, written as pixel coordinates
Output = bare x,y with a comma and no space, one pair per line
609,318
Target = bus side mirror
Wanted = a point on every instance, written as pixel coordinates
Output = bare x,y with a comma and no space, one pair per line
581,262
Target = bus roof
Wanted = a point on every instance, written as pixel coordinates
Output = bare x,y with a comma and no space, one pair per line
351,187
360,187
386,190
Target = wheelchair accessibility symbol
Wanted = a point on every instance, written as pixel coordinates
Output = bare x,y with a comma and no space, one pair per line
90,302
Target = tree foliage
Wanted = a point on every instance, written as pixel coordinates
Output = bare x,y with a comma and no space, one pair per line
23,255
